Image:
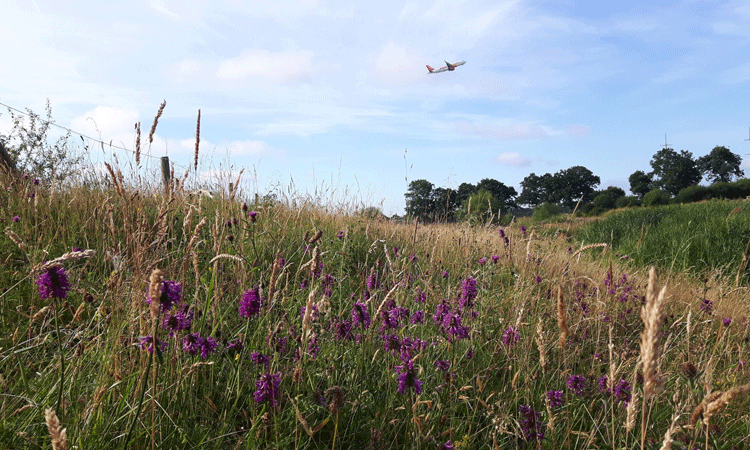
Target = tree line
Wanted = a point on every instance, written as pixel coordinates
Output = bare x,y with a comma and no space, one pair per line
674,176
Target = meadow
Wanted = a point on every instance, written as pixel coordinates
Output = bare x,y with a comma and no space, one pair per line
133,317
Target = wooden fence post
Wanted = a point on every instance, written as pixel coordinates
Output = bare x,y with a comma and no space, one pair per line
165,172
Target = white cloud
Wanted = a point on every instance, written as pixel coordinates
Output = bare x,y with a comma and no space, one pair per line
106,121
512,159
289,66
398,64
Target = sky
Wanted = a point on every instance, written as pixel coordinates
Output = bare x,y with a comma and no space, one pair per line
332,99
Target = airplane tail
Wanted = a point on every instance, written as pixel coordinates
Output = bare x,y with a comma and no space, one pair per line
430,68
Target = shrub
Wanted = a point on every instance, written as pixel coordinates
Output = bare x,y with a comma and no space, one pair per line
693,194
545,211
628,201
656,197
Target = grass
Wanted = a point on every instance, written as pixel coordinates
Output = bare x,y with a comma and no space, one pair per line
441,363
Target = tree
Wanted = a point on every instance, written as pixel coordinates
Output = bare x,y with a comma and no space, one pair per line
506,195
464,191
481,207
607,199
28,146
674,171
419,200
533,189
640,183
571,184
444,204
721,165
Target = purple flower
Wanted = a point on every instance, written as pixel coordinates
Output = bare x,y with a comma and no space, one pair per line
16,218
495,258
453,327
177,321
510,337
531,423
555,398
35,181
194,343
147,342
372,281
53,282
340,234
447,446
417,317
727,321
407,378
501,232
244,206
443,364
171,293
468,292
267,388
577,383
537,279
421,296
344,330
413,258
523,230
234,346
260,359
603,385
253,216
622,392
360,315
250,303
707,306
445,274
482,261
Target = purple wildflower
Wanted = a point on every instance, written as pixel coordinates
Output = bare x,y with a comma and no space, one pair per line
53,282
267,388
495,258
194,343
443,364
391,343
468,292
523,230
421,296
501,232
344,330
253,216
447,446
604,385
482,261
372,281
360,315
622,392
260,359
453,327
171,293
16,218
555,398
577,383
445,274
407,378
177,321
417,317
244,206
234,346
510,337
148,342
531,423
340,234
727,321
707,306
250,303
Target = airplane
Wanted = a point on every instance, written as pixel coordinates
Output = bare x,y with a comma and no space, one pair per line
448,66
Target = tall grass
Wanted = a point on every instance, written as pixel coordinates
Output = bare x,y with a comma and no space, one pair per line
697,238
473,341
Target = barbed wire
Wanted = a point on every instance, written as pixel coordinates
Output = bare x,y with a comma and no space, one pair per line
27,114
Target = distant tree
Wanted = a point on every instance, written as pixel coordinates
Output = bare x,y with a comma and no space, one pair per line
674,171
445,203
481,207
506,195
640,183
419,200
372,213
721,165
656,197
464,191
533,189
571,184
607,199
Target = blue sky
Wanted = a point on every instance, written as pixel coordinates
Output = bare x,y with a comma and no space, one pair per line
334,97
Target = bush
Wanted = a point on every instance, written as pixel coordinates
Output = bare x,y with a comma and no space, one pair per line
545,211
693,194
628,201
656,197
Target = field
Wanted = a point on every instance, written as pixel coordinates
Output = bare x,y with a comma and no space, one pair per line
137,318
